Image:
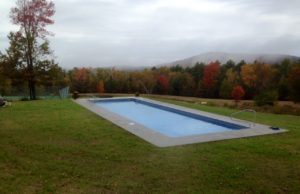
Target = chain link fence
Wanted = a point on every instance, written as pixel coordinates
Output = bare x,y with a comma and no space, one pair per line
42,92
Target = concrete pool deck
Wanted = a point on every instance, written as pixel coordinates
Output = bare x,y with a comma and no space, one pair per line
161,140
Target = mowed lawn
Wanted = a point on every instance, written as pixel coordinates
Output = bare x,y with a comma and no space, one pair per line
56,146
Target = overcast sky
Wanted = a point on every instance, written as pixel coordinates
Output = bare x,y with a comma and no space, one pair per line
100,33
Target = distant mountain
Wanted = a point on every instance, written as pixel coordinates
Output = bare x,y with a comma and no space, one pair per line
223,57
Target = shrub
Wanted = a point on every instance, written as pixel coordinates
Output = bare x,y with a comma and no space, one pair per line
2,102
266,98
100,87
75,95
24,99
137,94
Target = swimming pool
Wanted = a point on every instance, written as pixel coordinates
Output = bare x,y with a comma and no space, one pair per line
170,122
164,124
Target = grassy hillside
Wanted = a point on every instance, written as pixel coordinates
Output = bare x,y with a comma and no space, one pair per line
55,146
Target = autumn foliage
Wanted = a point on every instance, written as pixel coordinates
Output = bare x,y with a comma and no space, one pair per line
248,75
81,79
213,80
28,58
237,93
81,75
100,87
32,16
163,84
211,73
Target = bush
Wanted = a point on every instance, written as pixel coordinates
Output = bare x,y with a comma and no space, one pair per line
137,94
24,99
2,102
75,95
266,98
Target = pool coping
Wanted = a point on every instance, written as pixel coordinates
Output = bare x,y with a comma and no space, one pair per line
162,140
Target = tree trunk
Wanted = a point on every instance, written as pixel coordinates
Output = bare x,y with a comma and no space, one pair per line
33,90
31,87
31,80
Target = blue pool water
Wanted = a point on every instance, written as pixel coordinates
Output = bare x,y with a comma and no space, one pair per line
168,121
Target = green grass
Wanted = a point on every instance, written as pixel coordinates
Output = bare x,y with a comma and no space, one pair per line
56,146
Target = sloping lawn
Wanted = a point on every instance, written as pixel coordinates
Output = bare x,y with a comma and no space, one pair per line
56,146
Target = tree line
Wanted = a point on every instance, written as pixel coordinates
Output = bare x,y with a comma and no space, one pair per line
28,63
213,80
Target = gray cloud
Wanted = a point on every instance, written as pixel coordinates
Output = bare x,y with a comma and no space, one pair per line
150,32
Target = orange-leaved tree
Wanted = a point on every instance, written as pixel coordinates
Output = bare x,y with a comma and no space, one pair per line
81,79
100,87
210,78
237,93
162,84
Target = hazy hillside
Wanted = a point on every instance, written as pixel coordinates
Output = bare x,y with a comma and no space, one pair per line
236,57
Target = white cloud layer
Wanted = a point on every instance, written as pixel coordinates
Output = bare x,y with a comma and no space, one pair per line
149,32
